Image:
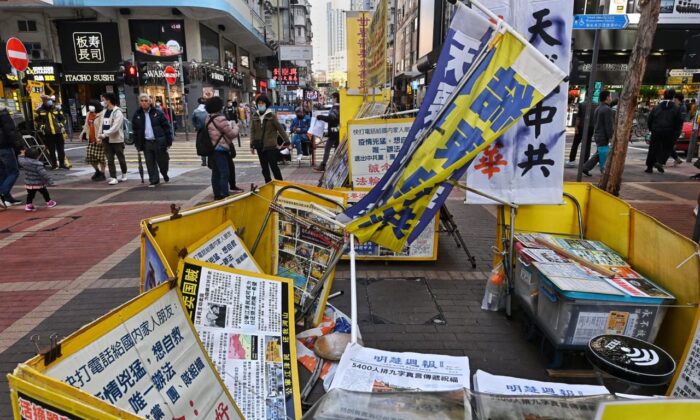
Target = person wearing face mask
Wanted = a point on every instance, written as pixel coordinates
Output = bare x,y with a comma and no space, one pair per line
333,120
111,132
299,127
95,155
264,130
153,136
49,122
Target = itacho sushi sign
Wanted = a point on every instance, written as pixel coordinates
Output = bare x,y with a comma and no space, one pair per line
90,51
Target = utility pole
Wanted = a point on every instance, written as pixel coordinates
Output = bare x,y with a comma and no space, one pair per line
627,106
279,53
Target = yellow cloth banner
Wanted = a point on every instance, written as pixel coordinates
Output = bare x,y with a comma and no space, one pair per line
377,46
356,35
494,98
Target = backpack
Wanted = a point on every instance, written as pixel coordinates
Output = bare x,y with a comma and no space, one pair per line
203,143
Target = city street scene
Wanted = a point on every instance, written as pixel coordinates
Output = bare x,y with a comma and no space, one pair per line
349,209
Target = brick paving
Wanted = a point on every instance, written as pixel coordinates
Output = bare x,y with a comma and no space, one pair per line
63,268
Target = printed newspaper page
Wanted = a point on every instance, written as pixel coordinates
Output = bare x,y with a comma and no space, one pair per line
371,370
227,249
150,365
246,324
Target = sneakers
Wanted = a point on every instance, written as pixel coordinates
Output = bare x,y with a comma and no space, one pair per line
113,181
237,190
570,164
29,207
51,204
152,185
98,176
9,200
124,178
299,157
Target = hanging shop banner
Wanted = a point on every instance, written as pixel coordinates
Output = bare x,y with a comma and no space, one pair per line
309,244
526,164
154,267
144,358
285,76
246,322
377,47
223,247
370,370
357,37
373,145
157,40
90,51
424,248
686,383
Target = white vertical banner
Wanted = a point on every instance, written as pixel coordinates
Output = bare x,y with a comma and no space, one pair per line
526,165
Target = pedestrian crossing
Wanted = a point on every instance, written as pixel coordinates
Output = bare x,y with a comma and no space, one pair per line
184,152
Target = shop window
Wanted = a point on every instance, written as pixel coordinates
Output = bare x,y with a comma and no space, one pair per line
26,25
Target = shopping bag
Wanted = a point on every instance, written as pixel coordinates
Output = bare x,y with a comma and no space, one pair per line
602,156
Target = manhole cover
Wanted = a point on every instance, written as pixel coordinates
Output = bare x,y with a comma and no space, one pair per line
402,301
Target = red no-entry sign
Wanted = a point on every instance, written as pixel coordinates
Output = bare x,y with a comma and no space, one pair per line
17,54
170,75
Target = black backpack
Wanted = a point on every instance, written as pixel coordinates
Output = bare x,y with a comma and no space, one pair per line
204,144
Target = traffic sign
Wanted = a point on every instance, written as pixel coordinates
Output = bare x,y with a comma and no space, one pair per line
601,22
170,75
17,54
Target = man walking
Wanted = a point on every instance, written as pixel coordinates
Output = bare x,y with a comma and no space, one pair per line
111,132
243,115
152,136
333,120
602,129
665,123
578,136
49,121
199,115
9,170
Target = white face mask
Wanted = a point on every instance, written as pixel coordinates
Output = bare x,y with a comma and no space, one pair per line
103,103
91,108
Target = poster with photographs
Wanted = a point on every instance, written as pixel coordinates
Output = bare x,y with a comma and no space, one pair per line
305,252
424,248
246,323
223,247
154,268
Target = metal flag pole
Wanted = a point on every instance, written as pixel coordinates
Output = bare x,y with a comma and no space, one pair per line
353,292
184,98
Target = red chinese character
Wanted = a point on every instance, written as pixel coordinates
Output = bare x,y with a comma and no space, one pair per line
489,162
373,180
25,409
222,412
361,181
385,167
373,169
39,412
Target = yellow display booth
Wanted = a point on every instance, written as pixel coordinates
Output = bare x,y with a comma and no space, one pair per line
650,247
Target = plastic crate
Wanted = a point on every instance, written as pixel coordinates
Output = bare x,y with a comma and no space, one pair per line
527,285
571,319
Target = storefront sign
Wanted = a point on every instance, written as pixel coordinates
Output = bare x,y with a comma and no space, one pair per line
285,76
217,76
89,48
296,52
42,73
89,78
157,40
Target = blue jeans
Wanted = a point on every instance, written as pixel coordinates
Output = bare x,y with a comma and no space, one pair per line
9,171
219,173
297,139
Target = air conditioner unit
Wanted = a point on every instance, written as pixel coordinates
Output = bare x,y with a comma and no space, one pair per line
38,54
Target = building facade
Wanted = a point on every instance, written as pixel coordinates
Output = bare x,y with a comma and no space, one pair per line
77,53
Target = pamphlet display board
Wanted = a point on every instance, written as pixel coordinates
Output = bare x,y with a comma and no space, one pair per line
143,359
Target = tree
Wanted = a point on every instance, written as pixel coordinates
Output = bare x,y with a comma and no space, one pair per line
627,106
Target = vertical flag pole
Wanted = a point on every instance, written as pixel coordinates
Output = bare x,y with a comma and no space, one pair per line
353,291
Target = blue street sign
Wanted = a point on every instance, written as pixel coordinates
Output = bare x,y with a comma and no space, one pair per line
601,22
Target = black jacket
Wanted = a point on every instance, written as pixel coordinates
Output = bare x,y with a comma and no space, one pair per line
231,113
333,120
160,125
603,128
8,133
665,119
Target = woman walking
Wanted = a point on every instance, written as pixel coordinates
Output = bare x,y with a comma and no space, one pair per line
222,135
264,131
95,155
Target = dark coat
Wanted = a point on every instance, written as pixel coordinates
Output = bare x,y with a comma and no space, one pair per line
159,123
8,133
264,131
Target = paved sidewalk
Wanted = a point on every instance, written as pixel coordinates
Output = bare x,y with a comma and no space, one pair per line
66,266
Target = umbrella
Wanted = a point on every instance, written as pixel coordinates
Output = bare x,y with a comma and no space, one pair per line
140,165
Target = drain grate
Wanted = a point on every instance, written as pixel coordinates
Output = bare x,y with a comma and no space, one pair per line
402,301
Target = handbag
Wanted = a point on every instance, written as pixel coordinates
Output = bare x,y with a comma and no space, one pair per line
233,151
603,155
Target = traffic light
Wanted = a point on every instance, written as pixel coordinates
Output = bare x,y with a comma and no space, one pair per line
131,75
